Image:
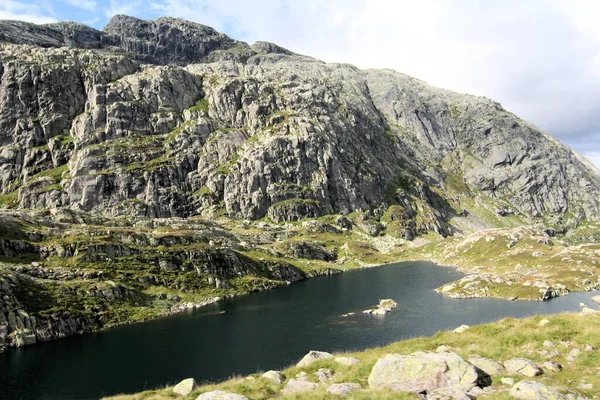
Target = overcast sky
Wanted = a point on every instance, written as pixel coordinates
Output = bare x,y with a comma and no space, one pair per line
539,58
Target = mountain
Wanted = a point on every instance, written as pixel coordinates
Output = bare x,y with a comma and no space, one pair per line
107,137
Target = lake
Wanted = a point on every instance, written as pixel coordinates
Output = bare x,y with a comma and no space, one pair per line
260,331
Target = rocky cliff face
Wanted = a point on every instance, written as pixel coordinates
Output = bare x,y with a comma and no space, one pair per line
171,119
257,131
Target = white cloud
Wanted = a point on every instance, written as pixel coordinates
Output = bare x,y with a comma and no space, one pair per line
25,12
88,5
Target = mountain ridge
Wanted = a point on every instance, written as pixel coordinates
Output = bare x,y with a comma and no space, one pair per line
132,187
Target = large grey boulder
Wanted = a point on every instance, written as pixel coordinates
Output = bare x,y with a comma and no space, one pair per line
531,390
220,395
274,376
522,366
185,387
488,366
422,372
313,356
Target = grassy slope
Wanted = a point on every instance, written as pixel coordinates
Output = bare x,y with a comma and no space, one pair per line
502,340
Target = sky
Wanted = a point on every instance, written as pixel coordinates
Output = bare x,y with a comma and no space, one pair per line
539,58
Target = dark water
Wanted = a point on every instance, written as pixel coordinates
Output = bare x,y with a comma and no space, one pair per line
258,332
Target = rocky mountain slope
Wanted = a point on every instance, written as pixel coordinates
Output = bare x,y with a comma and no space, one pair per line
146,164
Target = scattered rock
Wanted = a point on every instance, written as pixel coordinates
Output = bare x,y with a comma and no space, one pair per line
313,356
530,390
384,307
507,381
449,393
573,354
596,299
544,322
461,329
548,344
347,360
488,366
185,387
274,376
343,389
324,374
422,372
522,366
299,386
220,395
552,366
589,348
587,311
585,386
443,349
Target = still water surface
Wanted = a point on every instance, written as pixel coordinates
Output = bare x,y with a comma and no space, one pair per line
260,331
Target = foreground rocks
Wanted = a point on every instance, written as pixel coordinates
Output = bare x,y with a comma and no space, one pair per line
185,387
313,356
530,390
423,373
220,395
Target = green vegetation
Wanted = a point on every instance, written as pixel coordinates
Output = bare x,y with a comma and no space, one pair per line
201,105
500,341
9,200
55,174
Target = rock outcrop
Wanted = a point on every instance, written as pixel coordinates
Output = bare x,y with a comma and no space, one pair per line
422,373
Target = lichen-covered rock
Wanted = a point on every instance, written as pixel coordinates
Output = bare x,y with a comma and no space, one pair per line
422,372
343,389
220,395
274,376
530,390
299,386
488,366
448,393
185,387
313,356
522,366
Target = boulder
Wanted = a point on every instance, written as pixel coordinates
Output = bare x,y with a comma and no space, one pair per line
313,356
274,376
522,366
449,393
298,386
185,387
324,375
461,329
552,366
347,361
343,389
422,372
220,395
530,390
488,366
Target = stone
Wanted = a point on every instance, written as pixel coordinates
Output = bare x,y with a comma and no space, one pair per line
220,395
422,372
299,386
552,366
461,329
522,366
185,387
488,366
589,348
443,349
343,389
274,376
544,322
449,393
530,390
313,356
548,344
596,299
507,381
347,361
573,354
324,374
587,311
